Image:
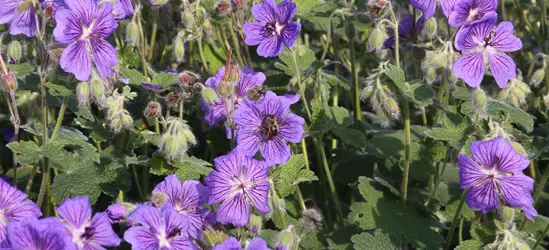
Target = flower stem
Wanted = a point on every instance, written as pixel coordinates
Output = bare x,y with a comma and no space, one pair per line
60,118
299,196
460,230
236,44
46,169
142,45
305,154
404,187
358,112
538,241
138,184
329,176
154,31
202,57
181,103
457,215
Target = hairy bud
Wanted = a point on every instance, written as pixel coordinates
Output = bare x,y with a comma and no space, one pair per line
287,238
538,76
179,49
479,99
377,8
391,108
377,38
83,93
9,82
209,95
225,88
223,7
132,33
158,3
234,73
255,223
154,109
350,31
176,139
15,51
515,92
173,99
431,26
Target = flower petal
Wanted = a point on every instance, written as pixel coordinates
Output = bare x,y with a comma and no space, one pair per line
275,151
460,13
469,172
290,33
171,187
7,9
270,47
219,187
228,244
265,12
235,210
483,197
105,24
255,33
23,210
248,140
248,79
290,128
103,233
148,216
530,212
76,211
286,11
172,219
503,68
447,6
23,23
504,39
274,105
182,243
67,29
123,9
10,195
259,196
470,68
257,243
471,34
141,238
515,189
24,235
104,55
193,194
500,152
84,10
428,7
75,59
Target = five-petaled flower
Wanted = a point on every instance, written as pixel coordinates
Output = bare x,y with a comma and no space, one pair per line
232,243
267,126
466,11
86,232
479,40
428,7
238,181
157,229
495,176
85,27
35,234
14,207
188,199
20,15
273,28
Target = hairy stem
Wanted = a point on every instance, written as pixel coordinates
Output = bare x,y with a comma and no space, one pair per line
60,118
358,112
202,57
154,31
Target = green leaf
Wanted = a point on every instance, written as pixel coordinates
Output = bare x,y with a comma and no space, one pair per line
84,181
335,80
160,166
128,94
470,245
339,239
449,195
483,233
351,136
378,241
416,92
136,78
21,70
305,8
58,88
165,79
28,152
77,142
286,176
304,57
191,168
516,115
215,58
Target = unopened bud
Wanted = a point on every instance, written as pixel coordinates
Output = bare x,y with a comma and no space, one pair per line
83,92
255,223
116,124
286,238
188,18
239,4
538,76
430,75
9,82
132,33
154,109
431,26
127,121
225,88
350,31
117,212
507,214
207,26
159,199
176,139
179,49
234,73
255,93
209,95
186,79
377,8
15,51
223,7
97,89
173,99
392,108
479,99
377,38
158,3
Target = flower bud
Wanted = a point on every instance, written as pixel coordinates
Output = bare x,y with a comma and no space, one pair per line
391,107
117,212
9,82
479,99
255,93
127,121
158,3
507,214
223,7
537,77
186,79
431,27
255,223
377,8
173,99
213,237
176,139
116,124
209,95
97,89
430,75
234,73
286,238
159,199
132,33
239,4
350,31
179,49
207,26
15,51
154,109
225,88
377,38
83,92
188,19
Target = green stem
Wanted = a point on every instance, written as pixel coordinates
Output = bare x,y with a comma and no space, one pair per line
236,44
329,176
532,169
154,31
181,103
305,154
60,118
46,169
202,57
538,241
543,18
335,104
358,111
460,231
142,46
138,184
457,215
299,196
404,188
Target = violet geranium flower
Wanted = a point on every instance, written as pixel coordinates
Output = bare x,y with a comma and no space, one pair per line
217,111
19,16
188,199
478,41
157,229
267,126
86,232
466,11
232,243
405,30
273,28
495,176
122,9
428,7
14,207
35,234
85,25
238,181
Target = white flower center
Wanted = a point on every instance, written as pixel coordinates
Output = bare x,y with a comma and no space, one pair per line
3,219
87,31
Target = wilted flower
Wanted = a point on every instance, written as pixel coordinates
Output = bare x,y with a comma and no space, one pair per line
20,15
35,234
14,207
273,28
495,176
9,82
176,139
377,8
157,229
188,199
223,7
428,7
81,26
117,212
232,243
154,109
267,126
238,181
86,232
478,41
466,11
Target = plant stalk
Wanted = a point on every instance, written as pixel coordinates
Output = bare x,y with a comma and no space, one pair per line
457,216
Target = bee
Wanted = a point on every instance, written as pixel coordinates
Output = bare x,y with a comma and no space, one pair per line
255,93
490,36
270,126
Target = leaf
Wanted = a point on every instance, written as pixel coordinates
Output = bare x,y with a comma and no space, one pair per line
334,79
215,58
21,70
483,233
449,195
27,152
416,92
164,79
84,181
128,94
191,168
58,88
378,241
288,175
160,166
516,115
470,245
339,239
304,57
351,136
75,141
136,78
305,8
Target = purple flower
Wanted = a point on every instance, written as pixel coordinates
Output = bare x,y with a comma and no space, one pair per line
50,6
478,41
217,112
117,212
157,229
149,86
35,234
405,28
85,25
470,10
21,21
495,174
267,126
428,7
8,134
122,9
86,232
273,28
188,199
233,244
14,207
238,181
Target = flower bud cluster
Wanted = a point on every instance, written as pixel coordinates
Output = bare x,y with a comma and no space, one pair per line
437,65
382,100
515,92
176,139
119,117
